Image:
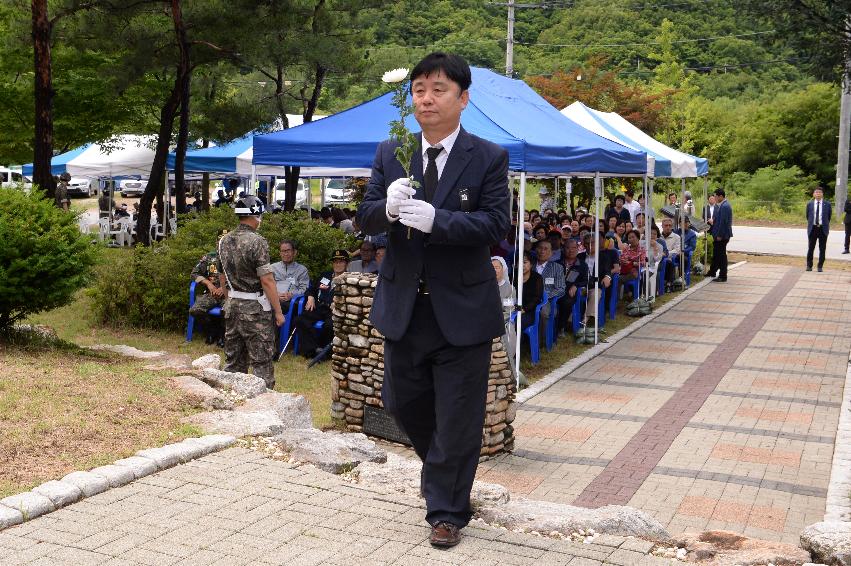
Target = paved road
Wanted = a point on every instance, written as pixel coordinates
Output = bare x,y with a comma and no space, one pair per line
784,241
238,507
719,414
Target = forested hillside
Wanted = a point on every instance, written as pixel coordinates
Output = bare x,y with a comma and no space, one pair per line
707,76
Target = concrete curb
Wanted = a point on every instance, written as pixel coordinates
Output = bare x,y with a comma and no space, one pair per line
53,495
554,376
838,505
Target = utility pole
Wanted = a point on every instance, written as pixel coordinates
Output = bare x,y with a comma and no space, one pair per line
509,43
844,125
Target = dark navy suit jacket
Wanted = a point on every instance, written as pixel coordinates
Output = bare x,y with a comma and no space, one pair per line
722,221
825,216
454,260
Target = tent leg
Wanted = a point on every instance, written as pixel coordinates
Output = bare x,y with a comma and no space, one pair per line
518,330
251,184
705,238
598,199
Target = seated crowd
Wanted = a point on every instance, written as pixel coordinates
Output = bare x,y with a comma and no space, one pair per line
558,260
558,263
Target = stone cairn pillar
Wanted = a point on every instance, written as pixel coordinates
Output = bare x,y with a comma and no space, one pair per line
358,367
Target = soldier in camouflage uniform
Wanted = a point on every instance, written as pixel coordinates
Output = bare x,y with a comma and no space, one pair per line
207,274
61,195
252,298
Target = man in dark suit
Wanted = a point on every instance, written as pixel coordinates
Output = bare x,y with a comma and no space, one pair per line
818,225
709,208
721,229
437,302
847,225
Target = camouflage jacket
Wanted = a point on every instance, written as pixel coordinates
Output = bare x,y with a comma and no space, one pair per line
243,258
206,268
62,193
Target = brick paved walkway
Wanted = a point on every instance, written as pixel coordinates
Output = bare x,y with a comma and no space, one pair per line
721,413
238,507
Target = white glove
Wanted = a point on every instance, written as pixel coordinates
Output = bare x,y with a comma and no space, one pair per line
398,192
417,214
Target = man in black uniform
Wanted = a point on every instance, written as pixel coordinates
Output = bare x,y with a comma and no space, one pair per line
318,307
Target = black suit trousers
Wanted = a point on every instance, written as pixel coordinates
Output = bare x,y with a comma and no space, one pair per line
437,394
847,236
719,257
817,234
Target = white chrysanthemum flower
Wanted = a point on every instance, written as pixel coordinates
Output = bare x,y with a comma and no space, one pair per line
395,76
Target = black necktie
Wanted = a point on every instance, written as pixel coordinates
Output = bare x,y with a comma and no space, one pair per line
818,213
430,176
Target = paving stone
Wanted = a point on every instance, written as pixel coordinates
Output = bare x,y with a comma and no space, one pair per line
237,423
115,475
10,517
167,456
140,466
330,451
31,505
89,483
244,384
207,361
60,493
829,542
293,410
202,395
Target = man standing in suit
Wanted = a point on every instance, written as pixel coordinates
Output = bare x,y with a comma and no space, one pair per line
818,225
437,302
847,225
721,229
709,208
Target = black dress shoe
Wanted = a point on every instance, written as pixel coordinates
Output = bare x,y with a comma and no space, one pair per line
809,268
846,251
820,269
720,279
444,535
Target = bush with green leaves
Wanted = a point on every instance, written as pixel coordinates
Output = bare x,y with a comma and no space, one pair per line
149,287
43,257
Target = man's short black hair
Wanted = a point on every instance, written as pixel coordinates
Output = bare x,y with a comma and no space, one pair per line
453,66
291,243
720,193
539,243
620,198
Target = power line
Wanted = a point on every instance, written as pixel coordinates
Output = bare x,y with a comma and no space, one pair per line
530,44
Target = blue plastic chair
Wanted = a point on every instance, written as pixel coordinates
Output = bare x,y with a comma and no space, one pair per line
318,325
579,303
612,295
635,284
550,330
190,324
688,268
284,332
533,331
660,276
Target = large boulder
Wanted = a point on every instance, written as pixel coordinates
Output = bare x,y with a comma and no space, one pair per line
128,351
829,542
179,362
244,384
200,394
333,452
207,361
725,548
292,409
237,423
543,516
402,475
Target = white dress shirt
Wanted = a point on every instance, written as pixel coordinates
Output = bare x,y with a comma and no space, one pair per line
817,213
442,157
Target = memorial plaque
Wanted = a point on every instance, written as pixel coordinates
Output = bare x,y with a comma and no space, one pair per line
377,422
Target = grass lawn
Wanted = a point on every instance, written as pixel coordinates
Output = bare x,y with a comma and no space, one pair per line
65,410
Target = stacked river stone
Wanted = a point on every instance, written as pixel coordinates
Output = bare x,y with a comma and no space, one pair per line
358,367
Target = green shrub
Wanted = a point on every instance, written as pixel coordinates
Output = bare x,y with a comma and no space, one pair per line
149,287
772,189
43,257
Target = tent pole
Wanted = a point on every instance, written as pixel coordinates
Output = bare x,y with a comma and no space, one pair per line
705,239
518,330
598,192
322,184
252,190
680,219
648,207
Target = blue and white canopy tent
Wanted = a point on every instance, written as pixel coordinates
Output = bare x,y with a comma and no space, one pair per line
667,161
122,156
505,111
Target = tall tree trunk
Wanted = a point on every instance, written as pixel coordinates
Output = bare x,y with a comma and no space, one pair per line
184,73
155,178
205,183
43,90
292,173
